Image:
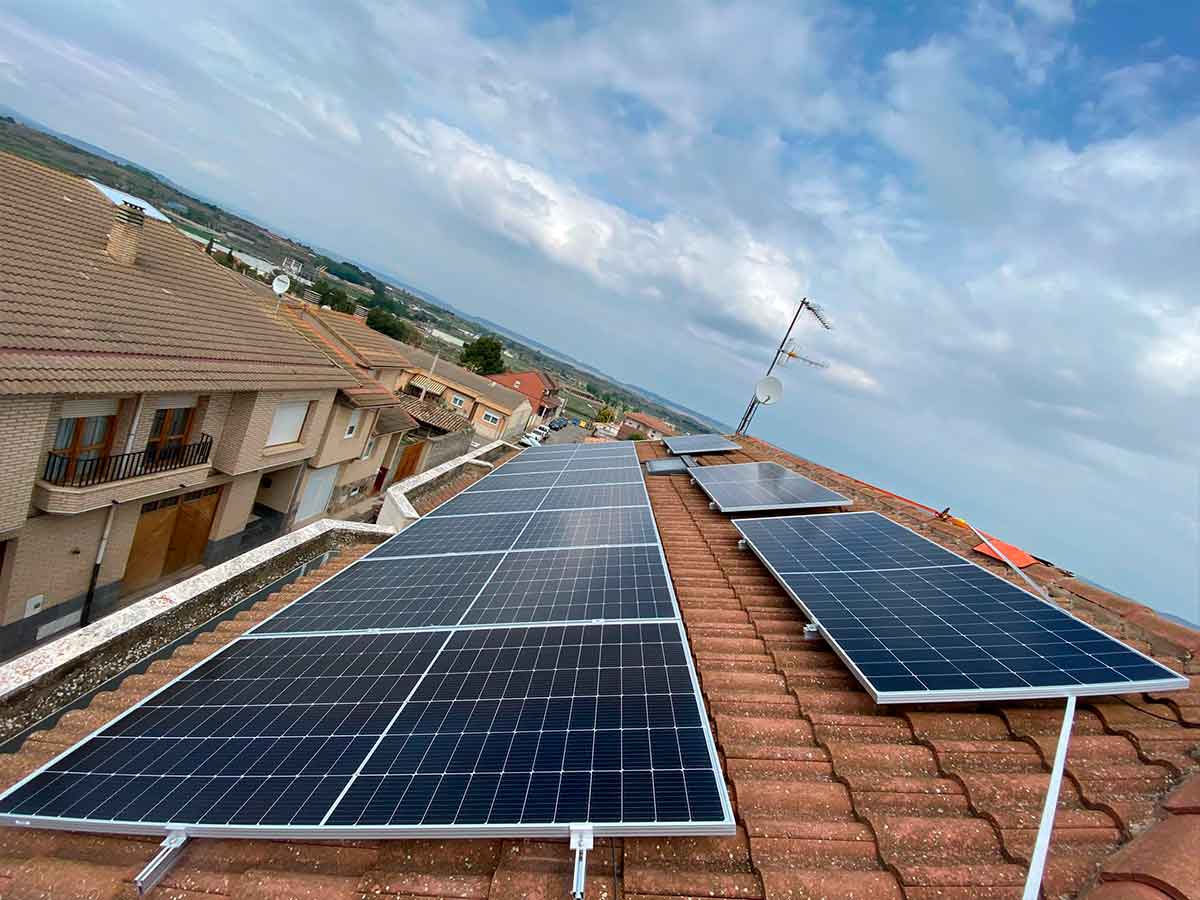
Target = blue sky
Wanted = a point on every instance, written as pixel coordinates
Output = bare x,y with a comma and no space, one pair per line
998,201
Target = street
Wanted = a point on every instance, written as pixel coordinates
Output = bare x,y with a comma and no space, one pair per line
571,434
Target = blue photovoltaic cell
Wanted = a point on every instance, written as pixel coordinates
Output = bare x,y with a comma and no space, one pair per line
926,627
592,496
579,584
436,535
840,543
699,443
761,486
420,592
600,476
471,503
498,482
589,527
594,723
525,468
268,732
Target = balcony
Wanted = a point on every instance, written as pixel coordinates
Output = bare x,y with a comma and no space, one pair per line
72,486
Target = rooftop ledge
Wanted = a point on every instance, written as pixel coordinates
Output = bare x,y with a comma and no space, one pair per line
61,655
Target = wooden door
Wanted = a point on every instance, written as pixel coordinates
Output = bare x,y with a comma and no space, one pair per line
150,541
190,534
409,460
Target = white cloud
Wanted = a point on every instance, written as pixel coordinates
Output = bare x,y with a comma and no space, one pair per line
1055,12
734,276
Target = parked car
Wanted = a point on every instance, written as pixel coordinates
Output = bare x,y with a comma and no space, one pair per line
530,440
542,430
558,424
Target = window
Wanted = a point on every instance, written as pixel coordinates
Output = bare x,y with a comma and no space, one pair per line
369,449
458,401
288,422
81,442
352,425
491,418
169,432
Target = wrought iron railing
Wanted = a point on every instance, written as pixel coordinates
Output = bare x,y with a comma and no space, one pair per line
67,472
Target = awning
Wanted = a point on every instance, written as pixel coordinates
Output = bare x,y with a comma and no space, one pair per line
428,385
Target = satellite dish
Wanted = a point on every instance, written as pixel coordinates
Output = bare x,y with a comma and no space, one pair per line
768,390
280,285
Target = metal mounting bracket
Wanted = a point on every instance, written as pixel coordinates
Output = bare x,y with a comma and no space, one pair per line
742,544
168,854
581,843
712,505
812,632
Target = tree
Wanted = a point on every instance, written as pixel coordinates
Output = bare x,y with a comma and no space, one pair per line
634,436
606,414
385,323
484,355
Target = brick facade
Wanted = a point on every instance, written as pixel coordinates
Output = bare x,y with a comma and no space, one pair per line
23,426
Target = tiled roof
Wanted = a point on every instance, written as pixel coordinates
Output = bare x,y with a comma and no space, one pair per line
834,796
376,348
651,422
533,384
432,414
496,395
394,419
368,392
73,320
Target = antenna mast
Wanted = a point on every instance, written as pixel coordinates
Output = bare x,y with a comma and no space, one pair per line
786,351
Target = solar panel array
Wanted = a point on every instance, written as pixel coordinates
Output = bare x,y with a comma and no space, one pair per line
760,486
511,664
699,443
917,623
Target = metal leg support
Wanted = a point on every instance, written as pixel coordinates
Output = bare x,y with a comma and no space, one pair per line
1037,864
157,868
581,843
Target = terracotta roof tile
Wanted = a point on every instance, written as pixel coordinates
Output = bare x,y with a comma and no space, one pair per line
433,414
73,320
444,370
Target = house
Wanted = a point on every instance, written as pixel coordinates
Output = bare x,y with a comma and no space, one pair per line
834,796
369,429
653,428
495,411
156,414
545,400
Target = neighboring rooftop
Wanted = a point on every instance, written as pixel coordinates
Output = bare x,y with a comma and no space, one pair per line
651,422
375,348
835,797
497,395
532,383
432,414
97,298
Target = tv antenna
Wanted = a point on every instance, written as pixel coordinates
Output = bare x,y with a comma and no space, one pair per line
770,388
280,286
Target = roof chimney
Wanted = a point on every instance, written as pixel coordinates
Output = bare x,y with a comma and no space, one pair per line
126,233
361,311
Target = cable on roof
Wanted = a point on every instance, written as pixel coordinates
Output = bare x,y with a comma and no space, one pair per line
1184,722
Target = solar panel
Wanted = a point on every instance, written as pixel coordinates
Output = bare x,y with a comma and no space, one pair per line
471,503
916,623
575,585
699,443
589,528
501,482
762,486
536,726
670,466
629,475
593,496
434,535
268,732
404,593
448,684
601,462
534,465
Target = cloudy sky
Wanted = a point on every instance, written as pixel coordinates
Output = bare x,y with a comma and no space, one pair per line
997,202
